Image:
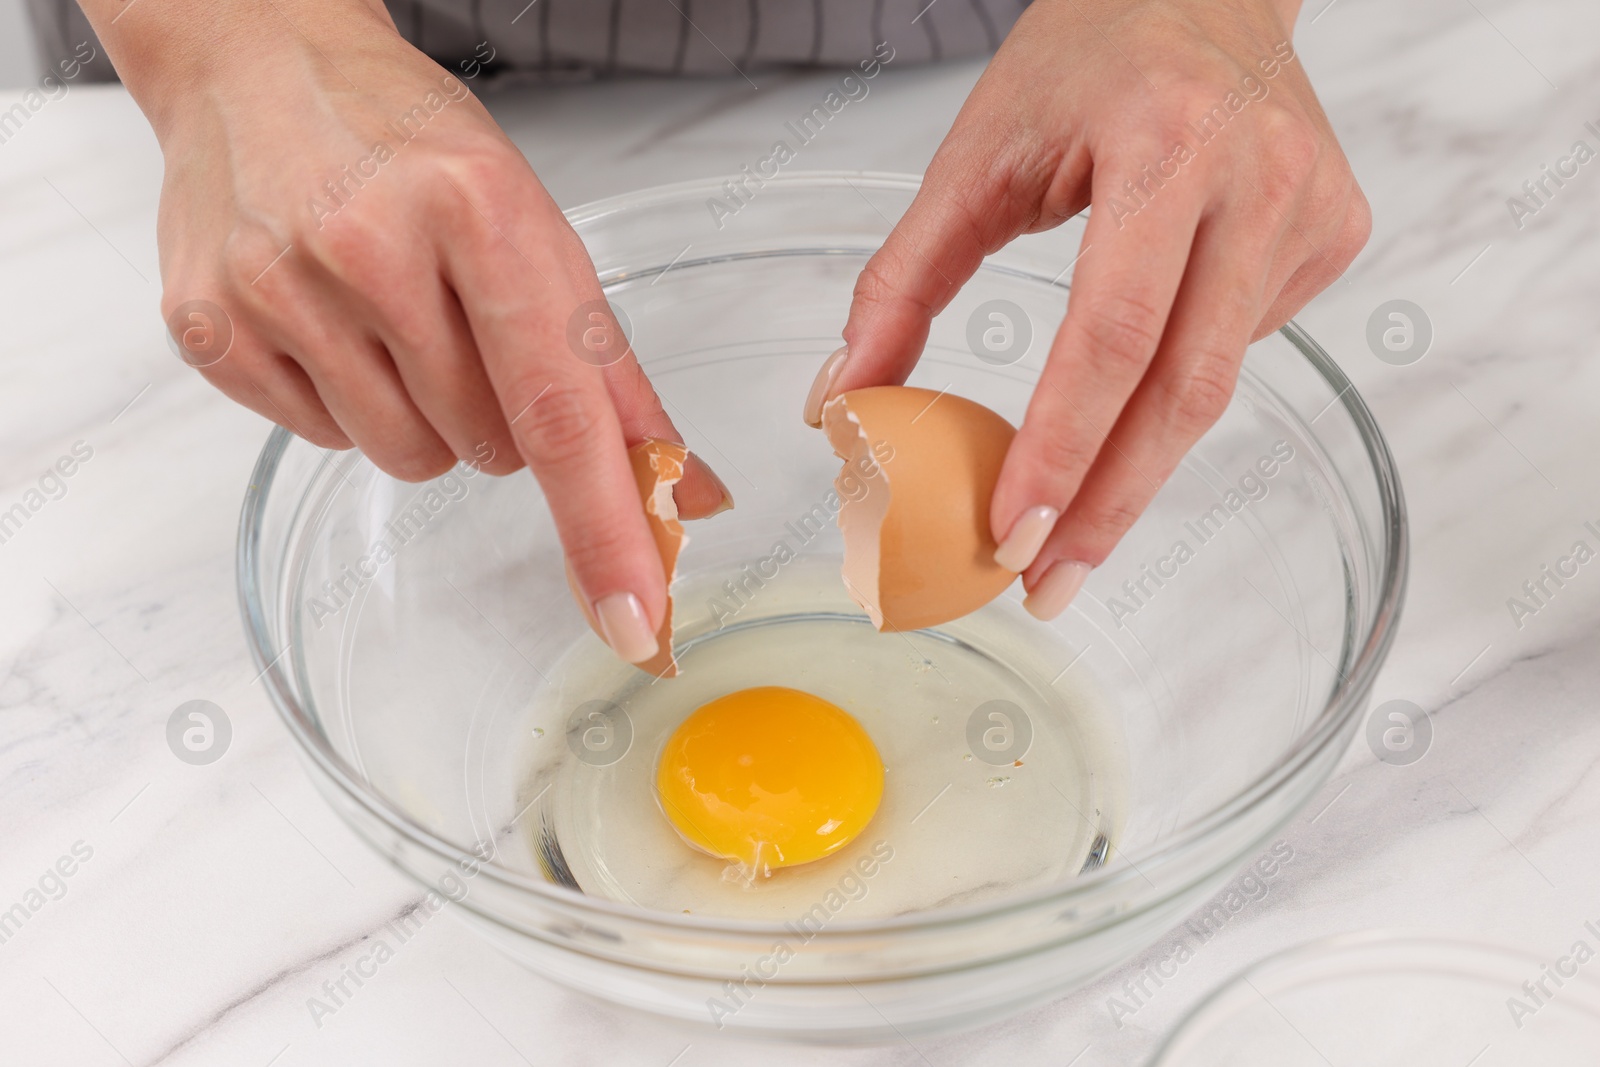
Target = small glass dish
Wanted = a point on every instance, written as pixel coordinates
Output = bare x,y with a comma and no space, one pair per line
1389,999
452,705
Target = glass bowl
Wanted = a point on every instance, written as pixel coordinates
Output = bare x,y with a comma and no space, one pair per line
1390,999
1057,795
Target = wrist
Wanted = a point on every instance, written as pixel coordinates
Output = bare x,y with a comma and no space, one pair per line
1204,12
169,52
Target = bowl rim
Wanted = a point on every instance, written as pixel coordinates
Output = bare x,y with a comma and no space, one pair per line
1415,950
1337,712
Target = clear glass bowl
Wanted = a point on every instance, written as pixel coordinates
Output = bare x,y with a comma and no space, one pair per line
1383,999
1186,707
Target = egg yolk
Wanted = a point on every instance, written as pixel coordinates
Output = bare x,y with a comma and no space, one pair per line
769,777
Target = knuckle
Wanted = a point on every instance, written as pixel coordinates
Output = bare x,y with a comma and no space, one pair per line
235,375
240,386
1184,105
1063,453
246,253
348,242
876,285
560,427
410,462
602,544
316,427
246,368
1098,526
1120,332
475,181
1201,391
176,292
1188,106
256,382
1188,88
986,196
1323,207
497,455
1172,124
1352,237
369,255
1291,148
502,465
872,284
403,444
483,168
324,436
1359,219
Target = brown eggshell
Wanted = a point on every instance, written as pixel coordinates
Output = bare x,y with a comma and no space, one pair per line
657,467
919,472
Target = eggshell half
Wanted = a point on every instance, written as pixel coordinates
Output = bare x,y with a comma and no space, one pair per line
919,472
657,467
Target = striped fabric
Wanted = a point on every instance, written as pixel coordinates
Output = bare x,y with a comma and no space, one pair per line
541,40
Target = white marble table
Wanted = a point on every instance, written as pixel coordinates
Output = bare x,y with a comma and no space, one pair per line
216,900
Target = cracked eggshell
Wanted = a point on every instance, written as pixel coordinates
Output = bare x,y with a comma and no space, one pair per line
657,467
919,471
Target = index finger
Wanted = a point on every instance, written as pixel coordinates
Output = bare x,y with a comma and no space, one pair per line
966,208
521,279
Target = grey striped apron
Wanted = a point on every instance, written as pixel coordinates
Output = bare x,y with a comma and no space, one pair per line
517,40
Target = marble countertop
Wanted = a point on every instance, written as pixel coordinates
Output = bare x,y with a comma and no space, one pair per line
206,904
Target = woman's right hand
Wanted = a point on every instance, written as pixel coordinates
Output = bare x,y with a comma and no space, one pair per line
395,276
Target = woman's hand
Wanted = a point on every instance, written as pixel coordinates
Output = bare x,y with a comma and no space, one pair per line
1221,203
395,275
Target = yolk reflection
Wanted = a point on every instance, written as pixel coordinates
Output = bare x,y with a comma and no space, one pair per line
769,777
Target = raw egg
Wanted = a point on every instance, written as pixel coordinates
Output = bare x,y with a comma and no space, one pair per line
919,472
769,777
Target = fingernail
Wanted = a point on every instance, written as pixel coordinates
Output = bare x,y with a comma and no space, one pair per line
824,382
1053,592
705,470
1027,536
626,627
